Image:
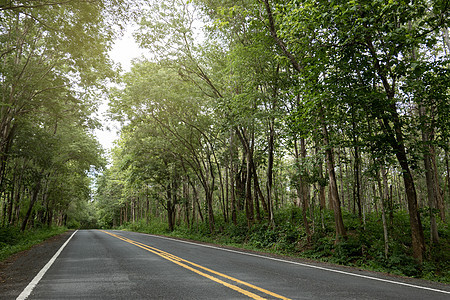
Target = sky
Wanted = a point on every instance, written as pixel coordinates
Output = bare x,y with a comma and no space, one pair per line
124,50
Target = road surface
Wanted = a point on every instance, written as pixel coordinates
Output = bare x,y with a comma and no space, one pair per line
97,264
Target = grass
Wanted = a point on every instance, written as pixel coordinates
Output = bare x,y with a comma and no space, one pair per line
12,240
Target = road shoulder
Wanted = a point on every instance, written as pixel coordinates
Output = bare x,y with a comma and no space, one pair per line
19,269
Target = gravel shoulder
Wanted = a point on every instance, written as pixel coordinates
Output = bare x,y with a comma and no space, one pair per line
19,269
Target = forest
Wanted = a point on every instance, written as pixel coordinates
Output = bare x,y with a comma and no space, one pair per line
309,127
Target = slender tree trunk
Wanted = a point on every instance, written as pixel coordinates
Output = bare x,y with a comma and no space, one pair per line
8,206
256,198
447,165
197,201
232,180
186,202
170,212
271,139
302,186
227,192
357,186
321,183
396,140
210,211
3,205
258,190
147,205
270,169
334,194
248,192
446,40
7,134
232,175
33,199
439,192
432,186
248,155
384,195
222,194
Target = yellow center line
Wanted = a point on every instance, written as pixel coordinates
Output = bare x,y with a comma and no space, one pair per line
183,263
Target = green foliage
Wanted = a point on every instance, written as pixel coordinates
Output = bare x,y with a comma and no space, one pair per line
258,91
12,240
362,248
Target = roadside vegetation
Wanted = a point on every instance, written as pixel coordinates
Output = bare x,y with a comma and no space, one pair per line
12,240
363,248
53,75
311,127
308,127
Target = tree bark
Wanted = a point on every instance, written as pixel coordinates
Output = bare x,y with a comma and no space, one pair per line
429,176
232,181
356,172
439,192
396,141
395,137
270,170
384,195
302,187
334,194
249,210
33,199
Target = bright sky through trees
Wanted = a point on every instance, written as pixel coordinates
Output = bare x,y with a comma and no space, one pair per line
125,49
325,122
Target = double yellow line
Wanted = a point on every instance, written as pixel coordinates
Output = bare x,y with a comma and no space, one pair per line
197,269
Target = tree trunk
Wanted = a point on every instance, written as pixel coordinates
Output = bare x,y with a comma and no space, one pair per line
33,199
396,141
395,138
8,206
446,40
197,201
170,212
209,200
439,193
270,170
249,212
7,134
302,186
186,203
334,194
321,183
357,176
429,176
384,195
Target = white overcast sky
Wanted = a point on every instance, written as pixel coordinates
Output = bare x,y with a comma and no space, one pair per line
123,52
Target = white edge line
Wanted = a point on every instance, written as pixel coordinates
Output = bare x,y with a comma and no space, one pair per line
306,265
27,291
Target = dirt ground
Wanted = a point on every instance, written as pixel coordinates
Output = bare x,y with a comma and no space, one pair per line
18,270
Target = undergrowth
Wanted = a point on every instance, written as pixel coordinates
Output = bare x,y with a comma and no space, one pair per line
363,247
12,240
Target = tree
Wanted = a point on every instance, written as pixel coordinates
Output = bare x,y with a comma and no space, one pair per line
381,37
54,63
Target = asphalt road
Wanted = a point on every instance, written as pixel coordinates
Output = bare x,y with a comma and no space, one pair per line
123,265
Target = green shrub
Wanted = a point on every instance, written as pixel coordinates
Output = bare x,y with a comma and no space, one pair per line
13,240
363,247
9,235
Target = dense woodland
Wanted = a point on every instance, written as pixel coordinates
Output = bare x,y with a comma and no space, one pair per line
330,118
54,69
